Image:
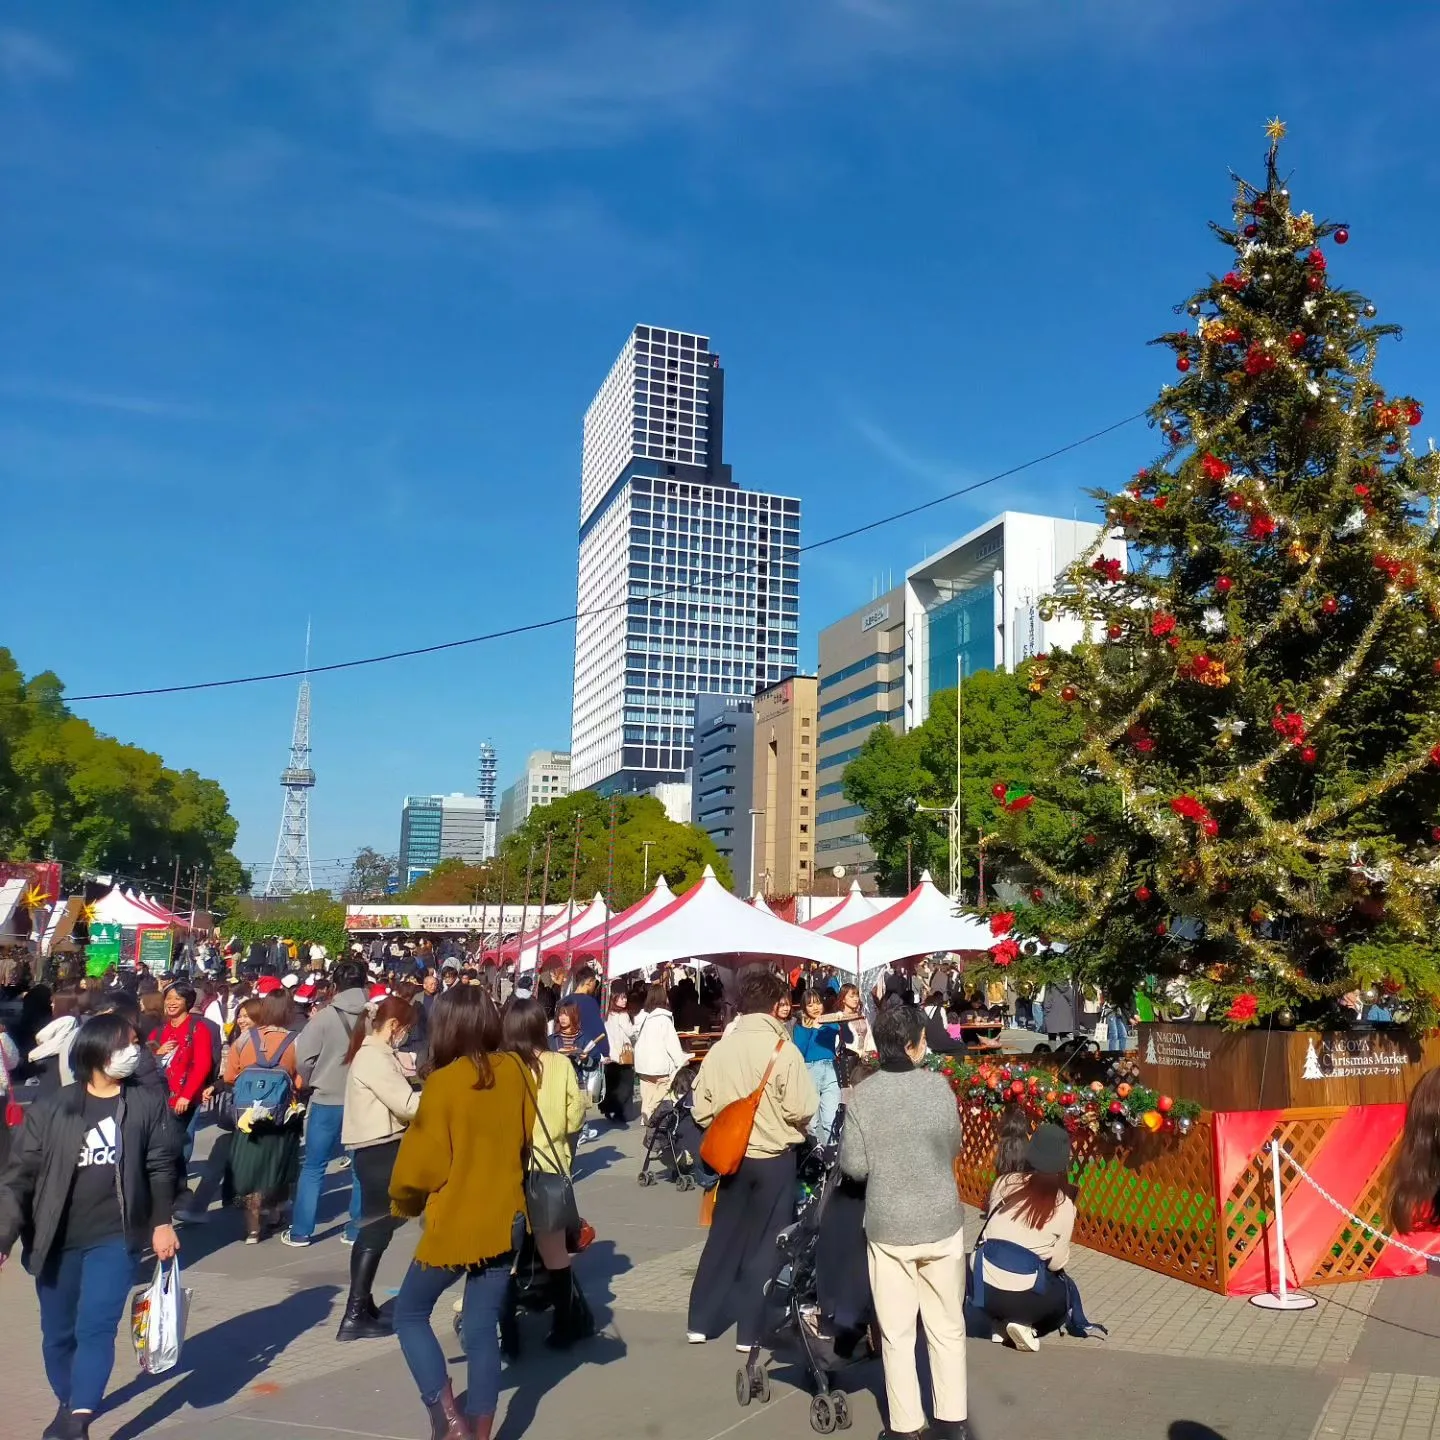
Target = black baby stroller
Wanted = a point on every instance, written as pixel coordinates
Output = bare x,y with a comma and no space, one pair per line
672,1138
819,1309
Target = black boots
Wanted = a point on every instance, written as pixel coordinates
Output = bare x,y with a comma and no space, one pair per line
362,1321
573,1318
59,1427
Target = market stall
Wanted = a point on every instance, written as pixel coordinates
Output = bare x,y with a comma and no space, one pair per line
560,934
925,922
854,908
146,928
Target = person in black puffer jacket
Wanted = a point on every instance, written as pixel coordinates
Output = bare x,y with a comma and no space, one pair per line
90,1182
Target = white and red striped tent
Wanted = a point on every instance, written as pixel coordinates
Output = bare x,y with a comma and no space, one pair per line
923,923
707,922
851,910
592,943
758,901
134,912
560,932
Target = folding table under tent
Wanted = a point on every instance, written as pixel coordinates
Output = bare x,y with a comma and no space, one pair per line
559,933
923,923
709,921
854,908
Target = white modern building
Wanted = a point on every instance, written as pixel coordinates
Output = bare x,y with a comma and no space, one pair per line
546,777
686,582
444,827
975,604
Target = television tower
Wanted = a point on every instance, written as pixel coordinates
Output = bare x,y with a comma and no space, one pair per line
290,872
485,788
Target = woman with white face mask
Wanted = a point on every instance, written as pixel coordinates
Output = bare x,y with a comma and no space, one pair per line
90,1183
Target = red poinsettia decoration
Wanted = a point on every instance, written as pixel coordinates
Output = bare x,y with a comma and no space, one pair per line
1213,466
1258,360
1002,922
1005,952
1162,624
1262,526
1243,1008
1290,724
1189,808
1107,568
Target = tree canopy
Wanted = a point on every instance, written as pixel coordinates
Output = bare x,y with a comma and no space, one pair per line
679,852
72,794
1010,737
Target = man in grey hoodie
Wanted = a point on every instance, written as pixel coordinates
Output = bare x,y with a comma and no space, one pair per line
320,1059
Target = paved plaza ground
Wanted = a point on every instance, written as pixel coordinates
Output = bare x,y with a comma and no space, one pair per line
261,1362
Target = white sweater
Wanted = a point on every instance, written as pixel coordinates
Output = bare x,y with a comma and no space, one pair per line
658,1052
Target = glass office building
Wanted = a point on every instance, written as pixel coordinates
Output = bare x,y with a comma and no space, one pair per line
686,583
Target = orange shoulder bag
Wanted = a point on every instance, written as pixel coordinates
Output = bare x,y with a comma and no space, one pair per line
725,1142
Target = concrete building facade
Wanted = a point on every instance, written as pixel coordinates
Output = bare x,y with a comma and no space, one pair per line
722,781
784,785
861,685
443,827
546,777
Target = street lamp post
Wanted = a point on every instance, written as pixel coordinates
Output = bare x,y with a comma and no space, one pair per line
753,814
645,883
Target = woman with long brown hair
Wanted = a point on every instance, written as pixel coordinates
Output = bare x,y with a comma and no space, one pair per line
560,1116
379,1103
462,1165
1033,1209
1414,1201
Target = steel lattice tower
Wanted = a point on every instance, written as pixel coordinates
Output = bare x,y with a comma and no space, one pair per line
290,872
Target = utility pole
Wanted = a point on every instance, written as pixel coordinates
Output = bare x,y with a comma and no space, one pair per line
574,873
525,908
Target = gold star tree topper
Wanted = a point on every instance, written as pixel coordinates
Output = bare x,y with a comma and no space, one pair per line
1275,129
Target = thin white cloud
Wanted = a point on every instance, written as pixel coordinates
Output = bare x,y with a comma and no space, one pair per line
943,477
87,399
26,56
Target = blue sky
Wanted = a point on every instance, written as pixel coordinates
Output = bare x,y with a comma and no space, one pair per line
303,303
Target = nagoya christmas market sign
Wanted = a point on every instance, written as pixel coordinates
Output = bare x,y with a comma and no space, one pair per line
103,951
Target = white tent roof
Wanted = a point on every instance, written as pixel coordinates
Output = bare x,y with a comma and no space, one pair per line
125,908
758,901
708,920
853,908
554,936
923,923
592,941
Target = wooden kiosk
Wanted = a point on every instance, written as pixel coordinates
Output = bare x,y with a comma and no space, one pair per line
1198,1206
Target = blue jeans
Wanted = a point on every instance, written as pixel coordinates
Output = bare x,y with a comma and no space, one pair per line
822,1072
485,1291
82,1302
322,1145
1117,1032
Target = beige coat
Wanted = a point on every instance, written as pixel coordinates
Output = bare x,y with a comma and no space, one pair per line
379,1100
732,1070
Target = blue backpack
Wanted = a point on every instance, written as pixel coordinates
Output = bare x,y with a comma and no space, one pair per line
263,1084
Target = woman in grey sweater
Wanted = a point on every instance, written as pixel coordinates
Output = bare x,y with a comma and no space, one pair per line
902,1135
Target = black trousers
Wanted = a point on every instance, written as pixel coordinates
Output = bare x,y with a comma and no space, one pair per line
1043,1313
373,1164
752,1207
619,1087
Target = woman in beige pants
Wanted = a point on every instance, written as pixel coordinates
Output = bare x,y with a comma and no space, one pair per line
901,1136
658,1052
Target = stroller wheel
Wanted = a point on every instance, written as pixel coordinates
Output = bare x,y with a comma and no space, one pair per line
742,1386
645,1179
684,1182
823,1419
762,1387
841,1406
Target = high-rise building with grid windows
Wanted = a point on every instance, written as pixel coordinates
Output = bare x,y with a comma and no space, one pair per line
686,582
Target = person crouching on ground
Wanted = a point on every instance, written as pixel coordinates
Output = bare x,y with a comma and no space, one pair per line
1034,1210
89,1184
462,1165
379,1103
754,1204
901,1136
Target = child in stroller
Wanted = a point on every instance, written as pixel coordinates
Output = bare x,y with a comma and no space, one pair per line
820,1310
672,1139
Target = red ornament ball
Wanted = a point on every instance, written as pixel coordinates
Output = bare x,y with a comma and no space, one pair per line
1296,340
1315,281
1069,692
1142,893
1342,236
1068,1098
1115,631
998,789
1330,605
1414,415
1164,1104
1224,584
1308,755
1437,667
1091,840
1037,894
1435,833
1116,1108
1182,364
1162,928
1236,501
1251,230
1175,437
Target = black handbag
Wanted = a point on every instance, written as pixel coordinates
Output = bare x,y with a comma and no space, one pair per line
549,1194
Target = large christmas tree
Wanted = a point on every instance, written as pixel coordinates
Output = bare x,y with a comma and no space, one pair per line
1261,682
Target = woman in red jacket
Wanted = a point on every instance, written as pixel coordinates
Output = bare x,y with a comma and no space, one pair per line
186,1053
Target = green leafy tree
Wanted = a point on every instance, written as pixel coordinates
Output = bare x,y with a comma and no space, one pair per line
679,852
370,873
314,915
1260,689
1010,737
70,793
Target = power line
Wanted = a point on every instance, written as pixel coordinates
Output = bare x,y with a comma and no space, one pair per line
537,625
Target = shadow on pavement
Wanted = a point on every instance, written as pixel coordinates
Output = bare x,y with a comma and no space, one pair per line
539,1371
592,1159
218,1363
1192,1430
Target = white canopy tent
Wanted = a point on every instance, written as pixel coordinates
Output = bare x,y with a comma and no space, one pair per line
708,921
923,923
592,941
854,908
560,932
758,901
132,912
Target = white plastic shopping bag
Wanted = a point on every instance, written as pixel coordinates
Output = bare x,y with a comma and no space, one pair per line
157,1319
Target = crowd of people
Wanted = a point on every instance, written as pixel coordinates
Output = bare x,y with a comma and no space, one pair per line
461,1095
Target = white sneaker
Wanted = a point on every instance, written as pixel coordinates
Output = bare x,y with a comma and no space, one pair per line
694,1337
997,1337
743,1349
1024,1336
295,1242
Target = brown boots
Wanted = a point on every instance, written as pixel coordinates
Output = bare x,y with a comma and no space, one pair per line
449,1422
